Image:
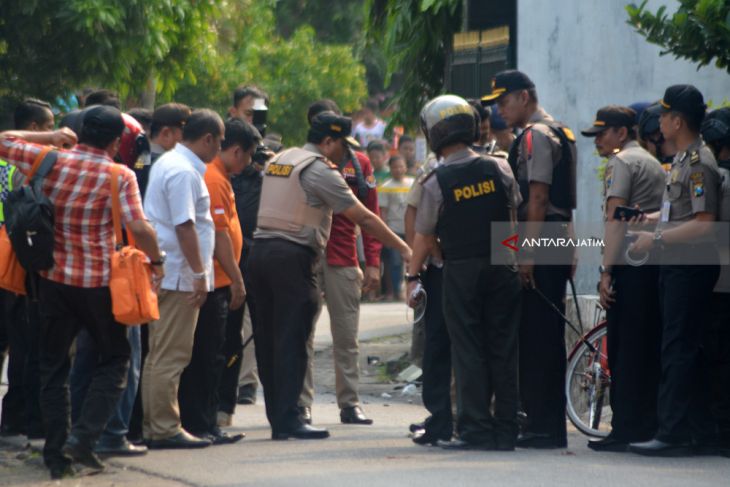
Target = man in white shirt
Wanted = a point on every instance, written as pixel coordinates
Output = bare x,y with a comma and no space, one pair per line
178,205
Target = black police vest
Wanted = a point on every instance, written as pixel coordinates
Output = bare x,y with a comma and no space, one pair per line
562,191
474,197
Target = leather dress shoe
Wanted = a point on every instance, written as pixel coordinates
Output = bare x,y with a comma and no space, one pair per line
123,449
220,437
540,441
305,414
302,432
84,455
659,448
180,440
608,443
423,438
354,415
458,444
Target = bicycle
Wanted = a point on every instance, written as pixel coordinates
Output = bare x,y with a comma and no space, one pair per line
588,382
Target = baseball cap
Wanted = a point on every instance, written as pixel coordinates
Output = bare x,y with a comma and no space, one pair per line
683,99
506,82
335,126
103,119
611,116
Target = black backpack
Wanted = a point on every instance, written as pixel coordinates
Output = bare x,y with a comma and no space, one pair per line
29,220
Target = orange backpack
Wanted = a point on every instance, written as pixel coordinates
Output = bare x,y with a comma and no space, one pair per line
12,274
134,302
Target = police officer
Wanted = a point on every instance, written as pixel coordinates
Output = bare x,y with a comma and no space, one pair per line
543,159
686,278
628,293
651,137
481,299
301,189
716,133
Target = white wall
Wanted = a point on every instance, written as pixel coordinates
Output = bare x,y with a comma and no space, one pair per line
583,55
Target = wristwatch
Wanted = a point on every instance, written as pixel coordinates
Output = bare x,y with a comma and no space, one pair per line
161,260
199,276
410,278
604,269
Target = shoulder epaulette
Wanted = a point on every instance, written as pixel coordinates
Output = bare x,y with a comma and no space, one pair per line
694,157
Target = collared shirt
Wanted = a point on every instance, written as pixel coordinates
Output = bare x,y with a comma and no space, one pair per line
634,175
432,199
692,186
176,194
225,216
537,155
79,186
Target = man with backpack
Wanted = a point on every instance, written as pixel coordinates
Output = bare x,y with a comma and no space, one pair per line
74,289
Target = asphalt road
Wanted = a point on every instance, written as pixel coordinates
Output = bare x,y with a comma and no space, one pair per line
369,456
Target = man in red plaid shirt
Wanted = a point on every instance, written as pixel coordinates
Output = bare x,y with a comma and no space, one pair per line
74,293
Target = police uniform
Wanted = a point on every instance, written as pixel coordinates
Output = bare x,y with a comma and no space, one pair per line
481,301
544,153
685,291
436,355
634,323
716,133
300,191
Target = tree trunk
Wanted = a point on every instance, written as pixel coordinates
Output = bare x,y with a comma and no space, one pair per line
150,92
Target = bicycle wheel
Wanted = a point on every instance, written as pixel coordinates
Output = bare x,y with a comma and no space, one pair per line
587,385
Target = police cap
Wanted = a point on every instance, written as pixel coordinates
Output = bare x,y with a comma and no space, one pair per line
506,82
684,99
611,116
330,124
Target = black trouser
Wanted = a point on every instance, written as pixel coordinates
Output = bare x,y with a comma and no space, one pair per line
283,301
65,310
15,325
482,311
436,359
684,394
198,393
634,338
717,347
542,353
233,349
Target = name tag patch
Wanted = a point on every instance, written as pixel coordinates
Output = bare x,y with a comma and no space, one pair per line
474,190
279,170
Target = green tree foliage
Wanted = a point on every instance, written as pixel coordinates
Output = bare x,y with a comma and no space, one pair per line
294,71
699,30
49,47
415,36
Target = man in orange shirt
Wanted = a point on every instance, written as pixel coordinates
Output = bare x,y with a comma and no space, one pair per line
198,392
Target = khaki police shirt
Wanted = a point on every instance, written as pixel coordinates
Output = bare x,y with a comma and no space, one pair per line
692,186
636,176
432,199
538,155
323,187
414,195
